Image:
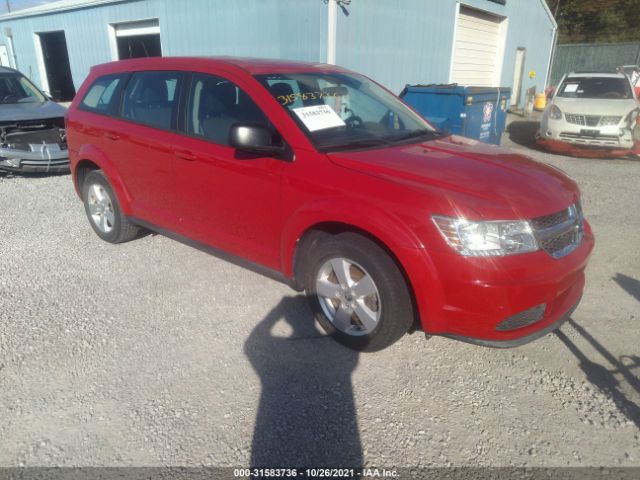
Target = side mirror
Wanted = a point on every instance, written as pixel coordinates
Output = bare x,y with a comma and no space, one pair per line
549,92
254,138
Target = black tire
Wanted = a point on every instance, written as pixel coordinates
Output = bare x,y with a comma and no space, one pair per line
121,229
395,306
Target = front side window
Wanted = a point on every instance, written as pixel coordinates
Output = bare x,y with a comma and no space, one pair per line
150,98
341,111
215,105
596,88
17,89
100,96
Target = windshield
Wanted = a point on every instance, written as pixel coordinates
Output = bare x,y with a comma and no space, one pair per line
17,89
596,87
341,111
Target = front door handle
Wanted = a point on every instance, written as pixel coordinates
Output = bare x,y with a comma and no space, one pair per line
112,136
185,155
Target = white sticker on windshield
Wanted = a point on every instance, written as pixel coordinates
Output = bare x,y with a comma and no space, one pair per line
319,117
571,87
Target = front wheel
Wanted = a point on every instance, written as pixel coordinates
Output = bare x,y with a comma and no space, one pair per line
357,292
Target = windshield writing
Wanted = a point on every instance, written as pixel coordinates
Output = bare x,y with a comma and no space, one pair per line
341,111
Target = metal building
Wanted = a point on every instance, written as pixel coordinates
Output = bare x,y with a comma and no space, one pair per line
397,42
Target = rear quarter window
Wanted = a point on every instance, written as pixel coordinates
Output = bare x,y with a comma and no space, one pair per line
101,96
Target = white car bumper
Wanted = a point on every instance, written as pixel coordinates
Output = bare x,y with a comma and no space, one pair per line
574,132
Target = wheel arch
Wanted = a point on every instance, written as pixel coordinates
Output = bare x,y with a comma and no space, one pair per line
323,229
91,158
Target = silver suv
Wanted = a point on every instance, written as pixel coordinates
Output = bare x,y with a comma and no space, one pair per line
592,109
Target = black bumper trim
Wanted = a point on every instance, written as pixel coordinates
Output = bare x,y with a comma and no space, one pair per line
60,168
516,342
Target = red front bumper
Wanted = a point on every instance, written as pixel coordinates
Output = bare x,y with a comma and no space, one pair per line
470,297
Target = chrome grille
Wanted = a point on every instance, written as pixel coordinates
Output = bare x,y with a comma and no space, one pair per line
560,233
547,221
608,121
591,120
575,119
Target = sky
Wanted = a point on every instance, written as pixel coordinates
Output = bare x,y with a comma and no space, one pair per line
20,4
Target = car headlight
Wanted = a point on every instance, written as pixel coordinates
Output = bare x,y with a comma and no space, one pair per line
632,118
484,239
555,112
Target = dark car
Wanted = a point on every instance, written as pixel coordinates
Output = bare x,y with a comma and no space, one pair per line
320,177
32,134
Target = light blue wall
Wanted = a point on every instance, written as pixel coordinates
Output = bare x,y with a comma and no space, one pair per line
293,29
394,41
400,42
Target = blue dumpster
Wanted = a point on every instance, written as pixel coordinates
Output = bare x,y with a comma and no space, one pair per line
474,112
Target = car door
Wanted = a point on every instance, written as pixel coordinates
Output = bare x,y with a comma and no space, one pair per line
141,144
228,199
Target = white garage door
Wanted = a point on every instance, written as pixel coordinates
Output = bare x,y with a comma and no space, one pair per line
479,48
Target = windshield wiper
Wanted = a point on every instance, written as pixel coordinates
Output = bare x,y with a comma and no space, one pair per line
419,133
362,143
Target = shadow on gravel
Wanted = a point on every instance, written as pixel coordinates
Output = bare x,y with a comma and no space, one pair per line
603,378
306,415
629,284
523,132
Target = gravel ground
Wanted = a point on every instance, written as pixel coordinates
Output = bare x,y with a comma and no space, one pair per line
153,353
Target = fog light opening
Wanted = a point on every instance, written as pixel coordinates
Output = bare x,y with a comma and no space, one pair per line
523,319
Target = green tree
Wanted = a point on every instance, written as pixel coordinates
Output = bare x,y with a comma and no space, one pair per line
597,21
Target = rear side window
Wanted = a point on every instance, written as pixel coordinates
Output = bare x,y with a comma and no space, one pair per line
101,95
150,98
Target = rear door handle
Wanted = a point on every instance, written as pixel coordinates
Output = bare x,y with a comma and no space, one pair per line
112,136
185,155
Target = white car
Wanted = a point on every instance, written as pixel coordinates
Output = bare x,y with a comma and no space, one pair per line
591,109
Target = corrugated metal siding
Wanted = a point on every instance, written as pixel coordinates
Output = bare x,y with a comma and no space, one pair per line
399,42
598,57
394,41
294,29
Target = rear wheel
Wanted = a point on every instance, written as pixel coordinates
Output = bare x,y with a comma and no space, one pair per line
103,210
357,292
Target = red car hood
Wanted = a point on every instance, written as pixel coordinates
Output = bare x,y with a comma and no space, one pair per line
493,181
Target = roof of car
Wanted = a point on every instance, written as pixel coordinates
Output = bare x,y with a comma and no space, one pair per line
597,74
249,65
9,70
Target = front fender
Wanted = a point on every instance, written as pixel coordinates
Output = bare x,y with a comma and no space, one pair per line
387,228
392,231
95,155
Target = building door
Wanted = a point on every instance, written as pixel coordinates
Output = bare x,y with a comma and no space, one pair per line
518,74
479,48
137,39
4,56
57,69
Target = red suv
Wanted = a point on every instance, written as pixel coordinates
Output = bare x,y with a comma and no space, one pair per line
320,177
